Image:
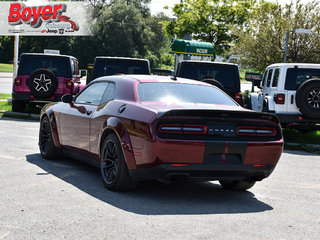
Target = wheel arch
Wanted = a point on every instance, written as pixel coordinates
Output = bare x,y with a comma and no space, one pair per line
254,102
115,125
49,113
270,103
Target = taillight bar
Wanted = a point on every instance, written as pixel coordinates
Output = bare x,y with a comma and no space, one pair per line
194,129
256,131
170,128
183,128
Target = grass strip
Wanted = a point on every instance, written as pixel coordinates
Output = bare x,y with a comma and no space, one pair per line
294,136
4,106
5,95
6,67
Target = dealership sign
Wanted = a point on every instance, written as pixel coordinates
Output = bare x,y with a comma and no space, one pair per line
53,18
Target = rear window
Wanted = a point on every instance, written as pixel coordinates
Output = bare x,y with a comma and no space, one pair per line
226,75
108,67
57,65
182,93
296,76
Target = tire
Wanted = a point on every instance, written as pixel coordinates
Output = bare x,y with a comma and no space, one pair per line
18,106
114,171
265,107
42,83
46,145
213,82
236,185
249,103
308,98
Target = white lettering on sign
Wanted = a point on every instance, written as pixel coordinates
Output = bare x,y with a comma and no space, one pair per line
201,50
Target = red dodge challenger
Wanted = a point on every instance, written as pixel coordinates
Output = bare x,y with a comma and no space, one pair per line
137,128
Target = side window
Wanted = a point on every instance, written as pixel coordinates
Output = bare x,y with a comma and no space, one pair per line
269,77
264,78
93,94
275,77
109,93
74,67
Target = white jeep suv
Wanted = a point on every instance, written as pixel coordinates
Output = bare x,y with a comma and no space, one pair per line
292,92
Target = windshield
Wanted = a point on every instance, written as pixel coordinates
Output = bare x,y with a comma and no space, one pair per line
226,75
107,67
57,65
182,93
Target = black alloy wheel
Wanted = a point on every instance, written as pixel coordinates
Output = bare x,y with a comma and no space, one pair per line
42,83
114,171
46,145
109,163
308,98
314,98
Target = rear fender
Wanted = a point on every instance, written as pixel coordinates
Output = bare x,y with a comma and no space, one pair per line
115,125
270,103
256,102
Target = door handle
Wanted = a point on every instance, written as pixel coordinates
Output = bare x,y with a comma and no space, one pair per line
122,108
89,112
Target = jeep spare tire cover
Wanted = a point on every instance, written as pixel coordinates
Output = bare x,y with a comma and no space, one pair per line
213,82
308,98
42,83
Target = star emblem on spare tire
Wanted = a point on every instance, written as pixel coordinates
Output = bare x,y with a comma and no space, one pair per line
42,83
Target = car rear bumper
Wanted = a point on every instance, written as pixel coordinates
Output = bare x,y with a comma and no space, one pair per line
296,119
28,97
204,172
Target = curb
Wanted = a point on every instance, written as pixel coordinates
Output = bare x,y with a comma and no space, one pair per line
299,144
304,147
20,115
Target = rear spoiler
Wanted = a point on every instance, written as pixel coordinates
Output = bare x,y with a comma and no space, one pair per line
247,114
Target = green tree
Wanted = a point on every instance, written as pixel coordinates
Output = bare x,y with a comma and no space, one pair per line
262,43
125,29
210,21
122,28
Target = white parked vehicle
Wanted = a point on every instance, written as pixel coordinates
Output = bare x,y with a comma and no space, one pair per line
292,92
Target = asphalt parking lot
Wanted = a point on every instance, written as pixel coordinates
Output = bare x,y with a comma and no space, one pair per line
65,199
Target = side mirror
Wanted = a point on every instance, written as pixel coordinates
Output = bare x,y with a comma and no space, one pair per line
83,73
68,98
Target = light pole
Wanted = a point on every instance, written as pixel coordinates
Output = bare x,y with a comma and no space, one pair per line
302,31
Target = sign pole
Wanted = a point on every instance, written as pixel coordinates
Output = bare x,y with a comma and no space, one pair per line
16,55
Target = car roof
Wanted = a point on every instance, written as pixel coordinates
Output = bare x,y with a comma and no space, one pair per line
150,78
294,64
209,62
47,54
122,58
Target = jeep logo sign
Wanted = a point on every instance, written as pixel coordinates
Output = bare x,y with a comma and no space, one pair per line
202,50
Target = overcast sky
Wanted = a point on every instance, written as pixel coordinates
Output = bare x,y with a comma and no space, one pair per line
157,5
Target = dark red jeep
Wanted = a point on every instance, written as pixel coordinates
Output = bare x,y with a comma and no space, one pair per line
43,78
